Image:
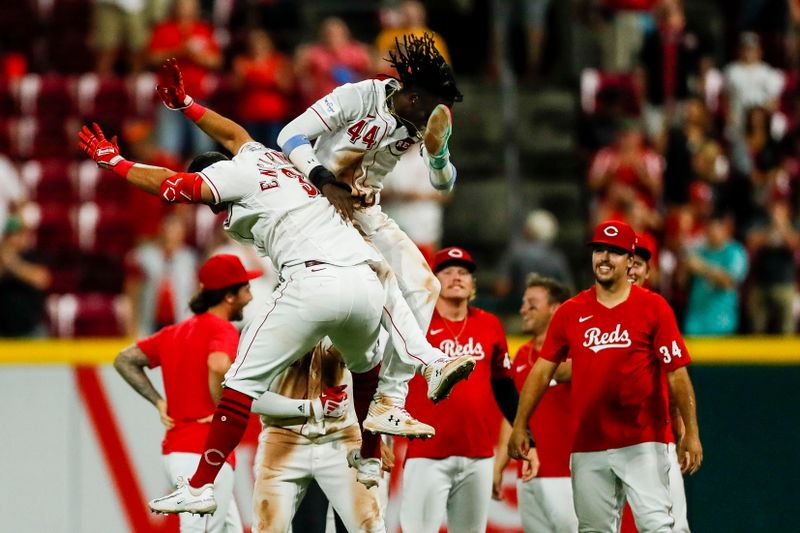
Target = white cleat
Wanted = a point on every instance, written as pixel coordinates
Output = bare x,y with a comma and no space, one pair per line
438,131
368,471
443,374
186,499
389,419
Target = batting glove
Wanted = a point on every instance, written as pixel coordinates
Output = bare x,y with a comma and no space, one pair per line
170,86
331,403
104,152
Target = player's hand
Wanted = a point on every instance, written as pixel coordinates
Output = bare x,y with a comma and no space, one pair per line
167,420
690,453
206,419
497,485
530,466
170,86
387,457
340,199
94,143
331,403
518,444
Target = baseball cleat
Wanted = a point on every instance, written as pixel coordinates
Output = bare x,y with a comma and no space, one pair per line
368,471
186,499
443,374
386,418
437,132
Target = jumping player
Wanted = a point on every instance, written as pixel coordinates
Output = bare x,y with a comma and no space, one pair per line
272,207
361,130
628,359
452,473
544,494
194,356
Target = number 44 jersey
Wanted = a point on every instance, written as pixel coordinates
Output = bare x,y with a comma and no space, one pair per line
272,207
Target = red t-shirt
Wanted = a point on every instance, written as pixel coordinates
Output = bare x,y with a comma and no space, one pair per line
261,99
169,36
468,421
182,352
620,359
551,423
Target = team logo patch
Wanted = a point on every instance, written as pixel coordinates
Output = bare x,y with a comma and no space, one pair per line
403,145
329,105
597,341
455,252
611,231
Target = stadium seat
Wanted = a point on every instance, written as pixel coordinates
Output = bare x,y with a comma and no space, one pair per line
86,315
103,99
104,229
102,273
48,96
49,180
42,139
8,105
68,269
101,186
145,97
593,81
53,225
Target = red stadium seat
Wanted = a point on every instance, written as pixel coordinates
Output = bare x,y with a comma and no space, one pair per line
45,96
101,186
86,315
49,180
145,97
104,229
44,139
53,225
593,81
103,99
8,104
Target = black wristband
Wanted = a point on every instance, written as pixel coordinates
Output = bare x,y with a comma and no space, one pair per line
321,176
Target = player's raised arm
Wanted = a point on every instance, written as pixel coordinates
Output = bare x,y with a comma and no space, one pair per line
172,92
331,403
173,187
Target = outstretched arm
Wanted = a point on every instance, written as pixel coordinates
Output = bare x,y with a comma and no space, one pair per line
173,187
172,92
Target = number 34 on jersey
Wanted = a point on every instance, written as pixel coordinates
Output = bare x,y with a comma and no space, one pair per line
668,353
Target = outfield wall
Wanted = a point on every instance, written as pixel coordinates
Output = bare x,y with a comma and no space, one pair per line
81,451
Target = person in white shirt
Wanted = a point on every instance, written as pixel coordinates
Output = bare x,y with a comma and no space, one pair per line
321,260
360,131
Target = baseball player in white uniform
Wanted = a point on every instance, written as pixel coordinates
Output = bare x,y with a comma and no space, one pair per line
309,426
327,288
361,130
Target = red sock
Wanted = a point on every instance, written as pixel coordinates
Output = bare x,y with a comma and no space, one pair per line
227,428
364,387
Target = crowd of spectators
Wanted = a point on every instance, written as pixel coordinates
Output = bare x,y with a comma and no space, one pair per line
700,156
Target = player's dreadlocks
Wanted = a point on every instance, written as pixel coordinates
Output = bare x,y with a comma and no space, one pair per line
419,64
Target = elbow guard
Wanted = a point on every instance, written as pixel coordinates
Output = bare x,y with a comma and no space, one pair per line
182,188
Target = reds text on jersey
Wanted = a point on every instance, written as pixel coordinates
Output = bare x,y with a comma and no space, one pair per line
273,207
362,141
551,423
620,359
467,422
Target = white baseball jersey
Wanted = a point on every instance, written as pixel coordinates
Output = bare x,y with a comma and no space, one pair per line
362,141
273,207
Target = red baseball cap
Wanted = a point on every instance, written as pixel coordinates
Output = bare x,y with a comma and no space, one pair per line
615,233
224,270
645,246
453,256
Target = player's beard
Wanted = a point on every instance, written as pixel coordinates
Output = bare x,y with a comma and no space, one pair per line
237,314
606,281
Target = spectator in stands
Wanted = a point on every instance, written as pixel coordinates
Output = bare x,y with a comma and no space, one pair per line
12,193
717,269
23,282
118,22
624,172
535,253
335,59
623,32
191,41
772,244
673,59
264,79
750,82
161,279
598,129
410,200
412,19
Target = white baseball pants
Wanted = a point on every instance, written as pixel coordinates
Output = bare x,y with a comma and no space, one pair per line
677,492
460,487
545,505
601,481
285,464
417,283
310,303
226,519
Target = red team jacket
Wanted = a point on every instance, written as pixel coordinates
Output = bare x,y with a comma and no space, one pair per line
182,352
620,360
468,421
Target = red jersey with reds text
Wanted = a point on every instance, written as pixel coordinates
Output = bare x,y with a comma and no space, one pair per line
620,359
551,423
182,352
468,421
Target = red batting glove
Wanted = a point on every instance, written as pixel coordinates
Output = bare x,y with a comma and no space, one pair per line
104,152
331,403
172,92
